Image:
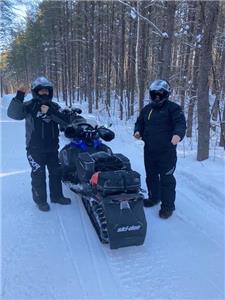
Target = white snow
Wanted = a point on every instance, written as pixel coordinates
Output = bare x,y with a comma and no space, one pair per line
165,35
199,38
133,13
57,255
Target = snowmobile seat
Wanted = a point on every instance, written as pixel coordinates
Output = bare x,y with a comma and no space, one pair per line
106,162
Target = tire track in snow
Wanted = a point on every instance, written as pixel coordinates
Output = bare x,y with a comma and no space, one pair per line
202,216
90,248
208,205
207,193
138,270
93,267
65,239
102,268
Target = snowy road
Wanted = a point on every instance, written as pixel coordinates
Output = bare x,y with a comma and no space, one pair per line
57,255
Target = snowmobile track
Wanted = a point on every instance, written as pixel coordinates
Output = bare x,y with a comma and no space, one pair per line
89,246
201,208
94,264
66,240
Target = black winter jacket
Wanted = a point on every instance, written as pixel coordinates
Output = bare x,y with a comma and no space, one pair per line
158,125
42,133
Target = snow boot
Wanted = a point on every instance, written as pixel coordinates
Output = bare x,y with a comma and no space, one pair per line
165,214
62,200
150,202
43,206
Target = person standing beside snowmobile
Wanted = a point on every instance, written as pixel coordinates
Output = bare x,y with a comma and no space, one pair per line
42,117
161,125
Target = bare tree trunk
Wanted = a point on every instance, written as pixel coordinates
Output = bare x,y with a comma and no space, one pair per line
56,68
185,68
68,51
63,52
166,50
109,56
141,55
195,74
211,12
1,84
137,55
90,53
222,130
132,75
121,60
97,53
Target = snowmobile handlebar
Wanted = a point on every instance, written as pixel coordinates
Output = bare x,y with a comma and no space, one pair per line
87,132
72,111
76,110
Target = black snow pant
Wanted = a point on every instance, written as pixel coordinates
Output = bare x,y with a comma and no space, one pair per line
160,180
38,161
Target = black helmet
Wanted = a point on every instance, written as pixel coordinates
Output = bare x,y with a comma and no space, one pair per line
39,84
159,91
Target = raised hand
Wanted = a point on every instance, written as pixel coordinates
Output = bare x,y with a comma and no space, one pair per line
23,88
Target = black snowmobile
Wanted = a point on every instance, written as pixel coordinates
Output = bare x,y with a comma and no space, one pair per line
109,188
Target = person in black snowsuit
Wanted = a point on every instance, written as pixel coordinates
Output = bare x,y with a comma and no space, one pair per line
161,125
42,117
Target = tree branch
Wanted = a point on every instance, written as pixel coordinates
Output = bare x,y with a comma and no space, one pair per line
163,34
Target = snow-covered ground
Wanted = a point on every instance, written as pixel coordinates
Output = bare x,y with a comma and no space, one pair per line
57,255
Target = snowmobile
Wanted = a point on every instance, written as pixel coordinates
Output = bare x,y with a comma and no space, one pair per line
110,190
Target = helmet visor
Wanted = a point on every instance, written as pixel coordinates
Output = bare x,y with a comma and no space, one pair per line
159,95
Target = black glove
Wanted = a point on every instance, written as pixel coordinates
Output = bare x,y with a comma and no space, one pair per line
36,107
51,109
20,95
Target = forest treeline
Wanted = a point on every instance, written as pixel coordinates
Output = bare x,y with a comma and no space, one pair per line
104,51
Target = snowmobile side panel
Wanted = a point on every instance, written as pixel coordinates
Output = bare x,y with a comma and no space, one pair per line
85,166
126,223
